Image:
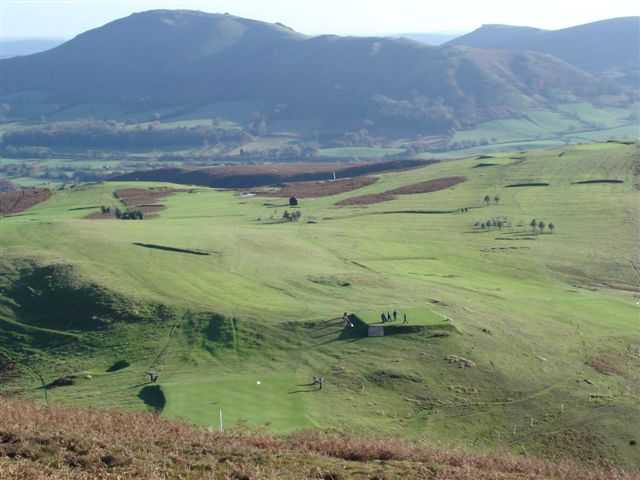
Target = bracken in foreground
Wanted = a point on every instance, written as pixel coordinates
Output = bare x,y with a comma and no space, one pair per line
37,442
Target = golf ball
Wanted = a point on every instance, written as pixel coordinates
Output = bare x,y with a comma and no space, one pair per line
258,382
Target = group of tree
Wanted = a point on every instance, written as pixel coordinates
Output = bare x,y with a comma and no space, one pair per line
291,217
100,134
538,226
487,199
498,223
129,214
105,210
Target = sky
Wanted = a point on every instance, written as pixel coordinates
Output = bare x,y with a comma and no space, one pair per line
67,18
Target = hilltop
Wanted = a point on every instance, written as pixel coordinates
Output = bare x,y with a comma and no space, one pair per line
610,47
166,60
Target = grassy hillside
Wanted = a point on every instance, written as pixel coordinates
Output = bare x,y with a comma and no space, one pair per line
522,340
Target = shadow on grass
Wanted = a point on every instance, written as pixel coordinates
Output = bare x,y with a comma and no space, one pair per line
304,391
153,397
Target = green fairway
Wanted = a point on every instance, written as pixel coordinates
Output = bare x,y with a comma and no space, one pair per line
525,338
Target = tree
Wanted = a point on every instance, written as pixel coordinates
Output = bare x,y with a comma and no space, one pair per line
483,226
286,215
552,227
534,224
496,199
293,202
487,199
541,226
118,213
500,224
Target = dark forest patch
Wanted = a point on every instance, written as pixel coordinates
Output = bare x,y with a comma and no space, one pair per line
253,176
531,184
172,249
589,182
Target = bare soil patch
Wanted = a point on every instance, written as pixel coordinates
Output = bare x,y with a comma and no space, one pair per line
318,188
21,200
422,187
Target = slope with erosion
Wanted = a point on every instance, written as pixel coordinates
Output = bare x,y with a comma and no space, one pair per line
516,325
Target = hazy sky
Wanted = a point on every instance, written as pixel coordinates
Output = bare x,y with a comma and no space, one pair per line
66,18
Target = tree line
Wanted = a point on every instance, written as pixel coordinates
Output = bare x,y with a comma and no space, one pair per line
99,134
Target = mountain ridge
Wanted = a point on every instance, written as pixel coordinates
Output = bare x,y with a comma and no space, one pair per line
166,57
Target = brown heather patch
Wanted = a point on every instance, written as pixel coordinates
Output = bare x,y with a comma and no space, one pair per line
142,199
605,364
38,443
21,200
317,189
421,187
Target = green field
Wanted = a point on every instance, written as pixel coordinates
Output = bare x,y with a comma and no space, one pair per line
568,123
549,323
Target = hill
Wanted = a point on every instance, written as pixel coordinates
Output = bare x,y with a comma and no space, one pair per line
163,60
609,47
62,443
518,337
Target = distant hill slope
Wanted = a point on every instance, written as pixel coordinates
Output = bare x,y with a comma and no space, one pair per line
27,46
428,38
608,46
164,58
